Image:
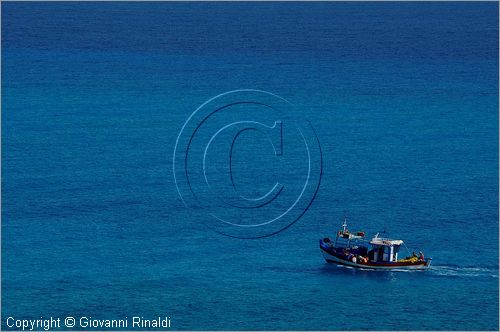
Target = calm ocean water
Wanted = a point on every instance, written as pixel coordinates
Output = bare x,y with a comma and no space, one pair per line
404,100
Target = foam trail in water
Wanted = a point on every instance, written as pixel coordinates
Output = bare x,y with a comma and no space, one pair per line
464,271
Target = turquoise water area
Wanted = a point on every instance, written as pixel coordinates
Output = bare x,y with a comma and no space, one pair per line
403,98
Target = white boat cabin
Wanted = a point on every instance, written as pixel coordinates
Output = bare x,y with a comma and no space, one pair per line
384,250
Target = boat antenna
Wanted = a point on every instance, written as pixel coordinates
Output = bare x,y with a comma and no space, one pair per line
384,231
344,225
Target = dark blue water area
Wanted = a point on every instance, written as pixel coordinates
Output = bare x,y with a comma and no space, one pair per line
402,96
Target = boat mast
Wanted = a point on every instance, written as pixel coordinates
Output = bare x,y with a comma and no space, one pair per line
344,225
344,228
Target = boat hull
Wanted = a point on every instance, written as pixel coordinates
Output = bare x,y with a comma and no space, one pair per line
334,259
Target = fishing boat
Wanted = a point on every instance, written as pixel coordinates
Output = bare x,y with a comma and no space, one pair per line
351,249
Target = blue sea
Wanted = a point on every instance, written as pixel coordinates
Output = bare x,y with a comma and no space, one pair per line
403,98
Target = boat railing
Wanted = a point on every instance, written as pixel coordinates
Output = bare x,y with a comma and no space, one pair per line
348,242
